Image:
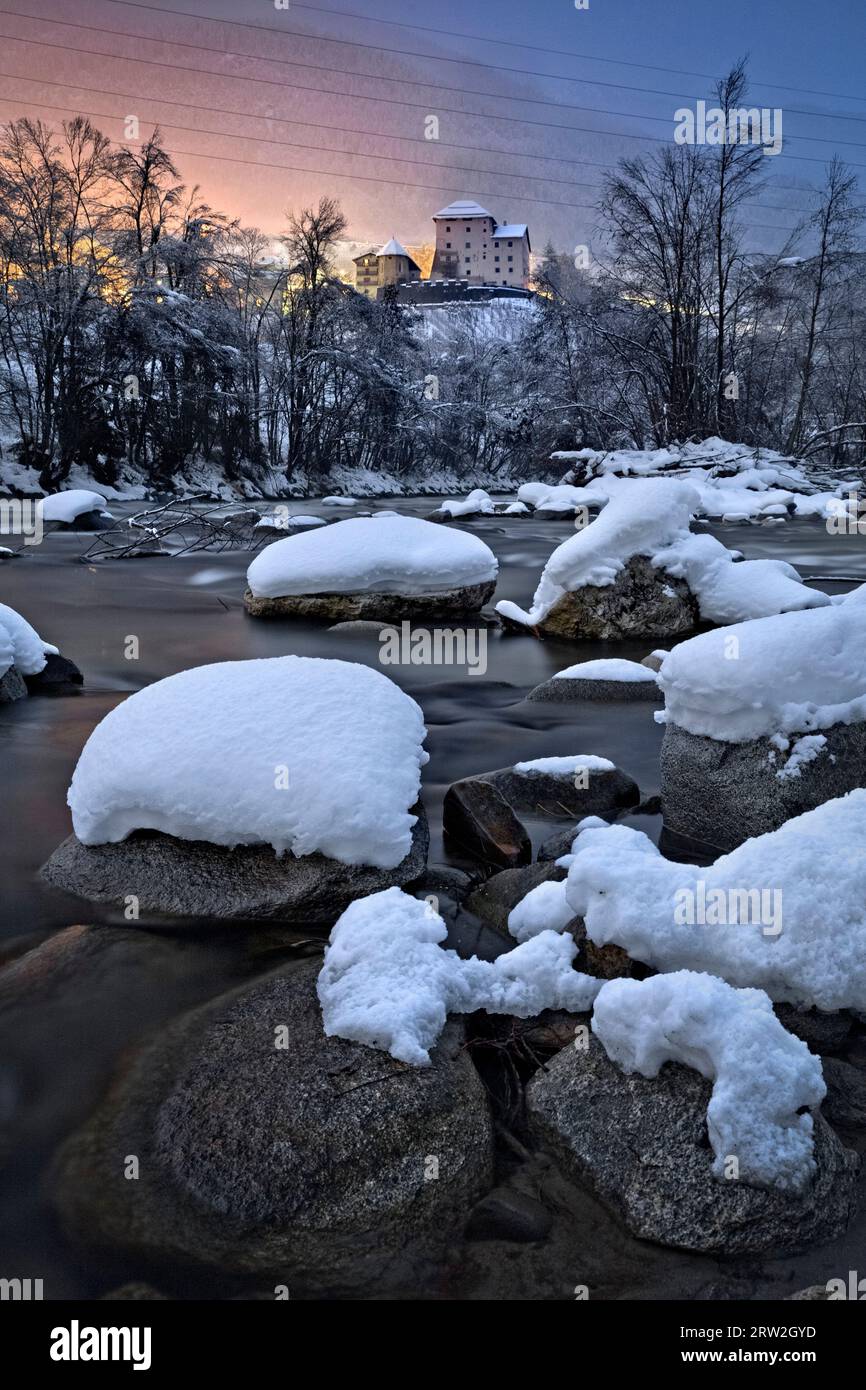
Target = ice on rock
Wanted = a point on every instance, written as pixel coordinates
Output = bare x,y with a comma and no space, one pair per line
20,644
296,752
790,673
651,517
784,912
762,1075
377,554
387,982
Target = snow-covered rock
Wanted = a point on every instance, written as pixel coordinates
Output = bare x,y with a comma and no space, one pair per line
294,752
649,520
606,679
640,1143
73,506
339,501
731,480
275,1151
785,912
20,644
387,982
765,1081
476,503
286,522
764,720
378,566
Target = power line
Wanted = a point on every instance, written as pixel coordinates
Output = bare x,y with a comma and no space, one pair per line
330,149
350,130
475,38
411,81
391,101
371,178
402,52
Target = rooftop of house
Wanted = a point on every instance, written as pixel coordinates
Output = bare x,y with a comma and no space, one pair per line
512,229
467,209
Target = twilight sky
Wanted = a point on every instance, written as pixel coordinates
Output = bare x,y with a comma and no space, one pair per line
281,95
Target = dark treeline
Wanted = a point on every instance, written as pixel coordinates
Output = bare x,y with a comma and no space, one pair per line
143,332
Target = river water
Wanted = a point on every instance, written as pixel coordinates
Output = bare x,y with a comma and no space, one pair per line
185,611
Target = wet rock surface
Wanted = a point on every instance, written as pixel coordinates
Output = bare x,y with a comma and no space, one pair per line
392,608
642,1146
191,878
308,1161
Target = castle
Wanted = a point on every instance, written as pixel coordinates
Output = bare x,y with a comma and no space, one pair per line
472,249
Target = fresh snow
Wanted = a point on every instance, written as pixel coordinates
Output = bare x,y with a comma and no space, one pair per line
785,912
296,752
575,762
282,521
20,644
387,982
651,517
762,1075
805,750
607,669
389,554
477,503
792,673
67,506
545,908
339,501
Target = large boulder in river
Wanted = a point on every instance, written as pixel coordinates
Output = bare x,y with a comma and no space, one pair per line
641,602
283,788
613,679
388,567
191,878
641,1144
720,794
478,820
269,1149
764,720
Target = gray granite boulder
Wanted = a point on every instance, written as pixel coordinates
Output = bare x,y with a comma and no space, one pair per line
320,1163
542,792
561,689
641,1145
392,608
724,793
192,878
12,686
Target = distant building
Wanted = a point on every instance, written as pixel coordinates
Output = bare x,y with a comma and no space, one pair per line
471,245
391,265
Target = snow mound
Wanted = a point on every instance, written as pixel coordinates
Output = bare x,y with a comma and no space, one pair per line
279,521
20,644
339,501
575,762
545,908
387,982
762,1075
791,673
67,506
476,503
651,517
607,669
733,480
376,554
785,912
296,752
